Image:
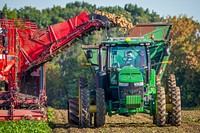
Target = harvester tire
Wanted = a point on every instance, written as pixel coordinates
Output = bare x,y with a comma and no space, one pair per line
84,104
99,116
161,105
73,112
176,107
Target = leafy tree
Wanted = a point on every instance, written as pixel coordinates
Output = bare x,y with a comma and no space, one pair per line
8,12
139,15
185,54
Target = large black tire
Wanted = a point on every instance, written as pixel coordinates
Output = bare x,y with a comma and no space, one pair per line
160,117
176,107
171,83
84,104
99,116
174,98
73,112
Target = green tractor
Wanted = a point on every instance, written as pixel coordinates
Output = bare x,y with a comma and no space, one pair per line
128,74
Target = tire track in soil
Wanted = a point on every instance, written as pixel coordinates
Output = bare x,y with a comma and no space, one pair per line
140,123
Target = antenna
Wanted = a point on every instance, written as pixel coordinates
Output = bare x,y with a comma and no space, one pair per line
107,25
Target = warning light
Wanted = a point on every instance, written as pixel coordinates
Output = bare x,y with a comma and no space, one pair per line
128,39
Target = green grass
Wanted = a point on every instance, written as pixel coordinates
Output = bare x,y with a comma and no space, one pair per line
50,114
193,108
24,126
51,117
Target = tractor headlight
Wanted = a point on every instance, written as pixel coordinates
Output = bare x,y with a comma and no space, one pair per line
123,84
139,84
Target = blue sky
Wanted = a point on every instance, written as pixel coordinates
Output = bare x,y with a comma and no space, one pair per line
163,7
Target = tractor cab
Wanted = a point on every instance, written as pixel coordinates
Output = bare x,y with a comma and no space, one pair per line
127,70
125,57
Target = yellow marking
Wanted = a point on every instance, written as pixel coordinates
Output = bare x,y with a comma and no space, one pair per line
93,108
167,62
85,64
156,108
168,107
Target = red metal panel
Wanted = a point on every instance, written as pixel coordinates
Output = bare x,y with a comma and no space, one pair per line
139,31
19,114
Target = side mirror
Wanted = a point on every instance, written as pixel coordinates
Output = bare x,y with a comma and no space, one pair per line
166,50
5,41
89,54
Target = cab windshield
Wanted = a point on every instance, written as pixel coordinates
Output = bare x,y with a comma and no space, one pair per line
128,56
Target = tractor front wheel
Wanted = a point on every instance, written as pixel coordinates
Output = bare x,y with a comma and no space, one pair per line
99,116
84,104
73,112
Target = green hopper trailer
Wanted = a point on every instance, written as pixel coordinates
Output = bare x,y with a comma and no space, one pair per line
127,74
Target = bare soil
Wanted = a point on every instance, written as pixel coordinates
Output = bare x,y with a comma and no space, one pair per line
140,123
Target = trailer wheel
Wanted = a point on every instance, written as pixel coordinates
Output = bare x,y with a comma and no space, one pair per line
99,116
176,107
171,83
84,104
174,98
73,112
160,105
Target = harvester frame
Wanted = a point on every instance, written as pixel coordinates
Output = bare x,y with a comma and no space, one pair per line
24,50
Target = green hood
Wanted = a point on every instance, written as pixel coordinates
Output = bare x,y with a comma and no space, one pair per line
130,74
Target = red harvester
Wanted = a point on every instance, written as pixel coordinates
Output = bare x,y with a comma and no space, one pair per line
24,50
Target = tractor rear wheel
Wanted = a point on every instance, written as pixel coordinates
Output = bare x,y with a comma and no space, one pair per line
161,105
99,116
84,101
176,107
73,112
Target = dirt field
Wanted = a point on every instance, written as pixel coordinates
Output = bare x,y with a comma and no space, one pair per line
138,123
